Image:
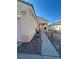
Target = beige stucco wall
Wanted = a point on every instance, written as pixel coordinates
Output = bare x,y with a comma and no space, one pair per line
42,21
28,22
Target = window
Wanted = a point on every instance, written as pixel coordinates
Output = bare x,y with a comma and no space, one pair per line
23,12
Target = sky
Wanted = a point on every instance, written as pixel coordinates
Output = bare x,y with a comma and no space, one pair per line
48,9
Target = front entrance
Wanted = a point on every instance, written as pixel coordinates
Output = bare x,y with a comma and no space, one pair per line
44,28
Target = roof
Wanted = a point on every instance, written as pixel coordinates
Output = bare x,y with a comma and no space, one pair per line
42,18
27,4
56,23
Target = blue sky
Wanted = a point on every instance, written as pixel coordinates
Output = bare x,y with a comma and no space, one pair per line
48,9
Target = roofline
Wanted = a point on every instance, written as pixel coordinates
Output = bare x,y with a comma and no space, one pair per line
55,24
32,8
43,18
27,4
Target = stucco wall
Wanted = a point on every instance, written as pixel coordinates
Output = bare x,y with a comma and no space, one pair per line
42,23
28,22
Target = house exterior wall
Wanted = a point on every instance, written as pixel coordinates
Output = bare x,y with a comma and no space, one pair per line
42,23
27,22
56,27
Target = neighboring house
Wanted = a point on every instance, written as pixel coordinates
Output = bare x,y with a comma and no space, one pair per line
26,21
43,24
56,32
55,26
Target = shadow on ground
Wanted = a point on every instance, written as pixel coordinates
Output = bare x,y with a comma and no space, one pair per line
33,47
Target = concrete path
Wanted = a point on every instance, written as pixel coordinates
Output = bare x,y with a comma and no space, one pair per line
28,56
47,47
48,51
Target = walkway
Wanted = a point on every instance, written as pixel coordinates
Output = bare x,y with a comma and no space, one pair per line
48,50
47,47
